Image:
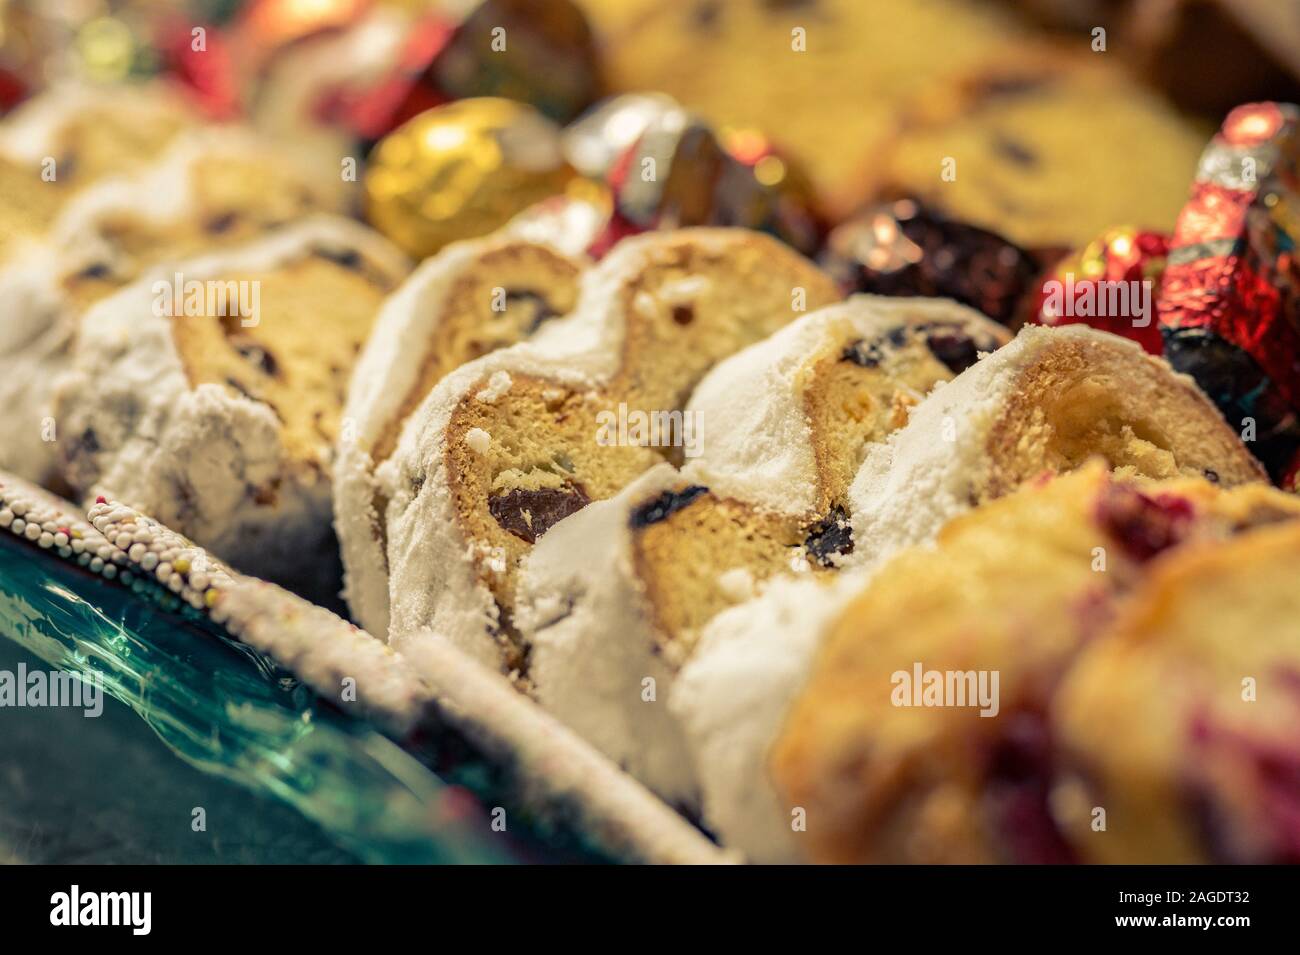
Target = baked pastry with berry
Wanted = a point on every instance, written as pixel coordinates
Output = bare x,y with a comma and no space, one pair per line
923,731
214,187
1178,723
510,444
1049,401
210,392
907,721
774,436
470,299
70,136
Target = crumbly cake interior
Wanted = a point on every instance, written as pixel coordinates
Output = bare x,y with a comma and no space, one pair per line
692,307
315,313
1012,588
854,395
98,141
235,199
698,305
1168,763
28,204
1077,401
512,291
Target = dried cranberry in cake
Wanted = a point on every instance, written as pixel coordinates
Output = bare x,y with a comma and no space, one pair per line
1179,719
1085,706
1144,525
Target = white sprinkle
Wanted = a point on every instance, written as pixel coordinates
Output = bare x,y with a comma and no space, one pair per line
18,525
478,440
497,386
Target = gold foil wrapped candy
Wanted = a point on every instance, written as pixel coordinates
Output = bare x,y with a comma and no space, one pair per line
462,170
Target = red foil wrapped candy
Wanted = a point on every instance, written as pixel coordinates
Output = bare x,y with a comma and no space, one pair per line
1111,285
1229,304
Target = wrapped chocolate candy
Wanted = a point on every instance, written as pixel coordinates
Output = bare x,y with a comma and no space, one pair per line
667,168
902,248
1229,303
539,52
462,170
1111,285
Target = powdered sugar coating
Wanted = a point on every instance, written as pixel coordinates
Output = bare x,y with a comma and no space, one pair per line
593,646
433,585
191,454
37,336
731,698
757,437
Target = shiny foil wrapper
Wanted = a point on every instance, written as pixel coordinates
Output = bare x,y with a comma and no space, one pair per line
539,52
1111,285
667,168
1230,299
903,248
462,170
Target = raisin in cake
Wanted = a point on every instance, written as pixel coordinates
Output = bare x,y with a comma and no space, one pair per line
213,187
210,392
510,444
69,136
808,742
467,301
1048,401
1180,723
778,432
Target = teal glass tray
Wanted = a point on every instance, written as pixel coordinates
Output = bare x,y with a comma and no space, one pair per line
231,712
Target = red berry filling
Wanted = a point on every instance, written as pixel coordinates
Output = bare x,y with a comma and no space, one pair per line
1144,525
